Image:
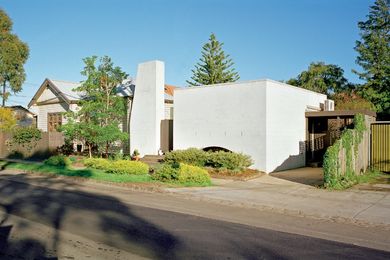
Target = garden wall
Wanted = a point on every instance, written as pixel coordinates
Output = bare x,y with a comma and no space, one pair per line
45,147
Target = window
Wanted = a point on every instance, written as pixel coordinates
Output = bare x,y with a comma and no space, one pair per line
54,120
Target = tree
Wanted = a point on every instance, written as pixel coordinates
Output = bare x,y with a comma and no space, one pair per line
7,119
102,111
374,56
214,66
349,100
322,78
13,55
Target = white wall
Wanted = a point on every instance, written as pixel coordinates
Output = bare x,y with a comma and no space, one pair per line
168,110
229,115
286,124
264,119
148,108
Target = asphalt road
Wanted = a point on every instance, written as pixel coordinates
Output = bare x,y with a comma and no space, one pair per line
111,229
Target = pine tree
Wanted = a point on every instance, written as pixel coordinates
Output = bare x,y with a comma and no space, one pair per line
214,66
374,56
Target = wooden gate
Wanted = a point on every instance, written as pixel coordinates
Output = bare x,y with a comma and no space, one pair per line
380,146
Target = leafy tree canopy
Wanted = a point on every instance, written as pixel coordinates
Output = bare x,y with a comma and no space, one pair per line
374,56
214,66
349,100
322,78
13,55
101,112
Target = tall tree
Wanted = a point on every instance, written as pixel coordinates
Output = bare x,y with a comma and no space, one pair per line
13,55
374,55
214,66
323,78
102,110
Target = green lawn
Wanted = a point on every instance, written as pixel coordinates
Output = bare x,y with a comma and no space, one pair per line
85,173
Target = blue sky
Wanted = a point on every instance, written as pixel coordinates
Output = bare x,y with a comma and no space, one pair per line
266,39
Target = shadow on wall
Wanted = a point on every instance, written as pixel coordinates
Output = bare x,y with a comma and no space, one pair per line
109,220
292,162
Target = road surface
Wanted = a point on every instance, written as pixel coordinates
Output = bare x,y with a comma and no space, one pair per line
38,221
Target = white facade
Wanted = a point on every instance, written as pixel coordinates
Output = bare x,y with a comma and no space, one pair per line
264,119
148,108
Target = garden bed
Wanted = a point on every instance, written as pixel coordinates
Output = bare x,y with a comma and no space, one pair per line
244,175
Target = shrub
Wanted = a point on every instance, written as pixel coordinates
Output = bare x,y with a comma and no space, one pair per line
97,163
191,156
167,172
24,137
193,174
58,160
128,167
229,160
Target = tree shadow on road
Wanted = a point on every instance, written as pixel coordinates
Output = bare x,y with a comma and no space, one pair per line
59,204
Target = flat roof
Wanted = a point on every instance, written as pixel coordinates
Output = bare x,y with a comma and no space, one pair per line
340,113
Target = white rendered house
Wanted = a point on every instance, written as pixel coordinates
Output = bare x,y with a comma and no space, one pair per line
263,118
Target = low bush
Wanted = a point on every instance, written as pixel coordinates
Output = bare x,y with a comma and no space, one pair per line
191,156
58,160
166,173
128,167
193,174
97,163
229,160
182,173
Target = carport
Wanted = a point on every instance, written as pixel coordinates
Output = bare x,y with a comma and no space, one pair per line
324,128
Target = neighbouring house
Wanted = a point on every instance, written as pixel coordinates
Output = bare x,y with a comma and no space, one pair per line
56,97
23,116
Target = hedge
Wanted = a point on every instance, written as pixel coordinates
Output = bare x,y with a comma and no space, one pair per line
118,167
182,173
58,160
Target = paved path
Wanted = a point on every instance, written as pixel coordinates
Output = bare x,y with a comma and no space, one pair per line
357,206
46,218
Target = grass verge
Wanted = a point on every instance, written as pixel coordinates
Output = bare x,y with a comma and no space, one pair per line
371,176
84,173
90,173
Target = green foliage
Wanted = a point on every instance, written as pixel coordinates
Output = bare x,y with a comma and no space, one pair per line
182,173
97,163
349,140
117,167
219,159
229,160
13,55
7,119
322,78
128,167
102,111
167,173
193,174
191,156
58,160
374,56
349,100
85,173
24,137
214,66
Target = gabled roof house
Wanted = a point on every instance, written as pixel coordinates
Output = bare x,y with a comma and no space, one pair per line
55,97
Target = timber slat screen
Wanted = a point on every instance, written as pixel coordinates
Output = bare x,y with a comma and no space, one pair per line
380,146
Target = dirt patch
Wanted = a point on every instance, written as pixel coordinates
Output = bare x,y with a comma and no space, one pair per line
245,175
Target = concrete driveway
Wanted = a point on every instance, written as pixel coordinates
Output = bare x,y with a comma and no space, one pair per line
306,175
